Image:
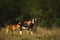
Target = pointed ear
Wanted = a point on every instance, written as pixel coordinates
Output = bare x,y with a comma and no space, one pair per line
35,18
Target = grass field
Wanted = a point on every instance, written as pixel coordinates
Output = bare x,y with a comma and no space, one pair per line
39,34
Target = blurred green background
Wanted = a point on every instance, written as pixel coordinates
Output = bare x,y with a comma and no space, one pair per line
46,11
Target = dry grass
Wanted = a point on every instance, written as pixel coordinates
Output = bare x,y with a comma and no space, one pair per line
40,34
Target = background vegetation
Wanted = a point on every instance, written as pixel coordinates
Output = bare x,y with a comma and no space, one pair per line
46,11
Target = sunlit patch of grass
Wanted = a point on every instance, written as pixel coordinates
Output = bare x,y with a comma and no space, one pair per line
40,34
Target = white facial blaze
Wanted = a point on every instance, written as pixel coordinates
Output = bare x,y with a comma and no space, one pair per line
33,21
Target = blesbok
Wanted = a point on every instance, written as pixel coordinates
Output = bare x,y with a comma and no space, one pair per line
28,24
12,27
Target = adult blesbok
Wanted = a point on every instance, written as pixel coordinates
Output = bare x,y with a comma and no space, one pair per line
27,24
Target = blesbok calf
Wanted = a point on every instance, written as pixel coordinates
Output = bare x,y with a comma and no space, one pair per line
11,27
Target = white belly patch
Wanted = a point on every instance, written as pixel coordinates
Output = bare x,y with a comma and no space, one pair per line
24,27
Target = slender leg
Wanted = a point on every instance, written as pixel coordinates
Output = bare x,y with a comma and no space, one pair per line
31,32
27,32
31,29
20,32
7,30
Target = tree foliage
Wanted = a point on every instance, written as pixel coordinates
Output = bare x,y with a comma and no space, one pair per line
46,11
